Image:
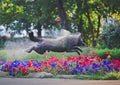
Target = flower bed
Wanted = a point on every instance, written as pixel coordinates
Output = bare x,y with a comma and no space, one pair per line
72,65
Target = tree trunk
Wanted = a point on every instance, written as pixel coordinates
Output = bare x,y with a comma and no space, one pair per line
62,14
39,32
80,26
91,29
38,27
98,27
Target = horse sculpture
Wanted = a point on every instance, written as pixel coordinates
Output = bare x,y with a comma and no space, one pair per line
67,43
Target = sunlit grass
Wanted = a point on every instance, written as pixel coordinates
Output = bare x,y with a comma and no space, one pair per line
35,56
3,54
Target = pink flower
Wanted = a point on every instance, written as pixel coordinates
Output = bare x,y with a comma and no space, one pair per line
93,53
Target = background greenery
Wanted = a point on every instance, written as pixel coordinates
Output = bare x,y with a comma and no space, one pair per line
85,16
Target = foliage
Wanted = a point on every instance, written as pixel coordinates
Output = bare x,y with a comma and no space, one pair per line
108,76
77,15
112,76
114,53
110,37
10,12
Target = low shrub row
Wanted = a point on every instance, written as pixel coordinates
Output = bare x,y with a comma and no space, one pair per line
103,53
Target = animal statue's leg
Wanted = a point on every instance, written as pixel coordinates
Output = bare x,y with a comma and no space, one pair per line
77,52
74,50
77,48
30,49
40,49
33,48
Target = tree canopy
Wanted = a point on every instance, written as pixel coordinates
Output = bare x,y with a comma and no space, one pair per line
84,16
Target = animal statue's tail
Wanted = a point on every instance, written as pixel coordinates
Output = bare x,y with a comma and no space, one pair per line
33,38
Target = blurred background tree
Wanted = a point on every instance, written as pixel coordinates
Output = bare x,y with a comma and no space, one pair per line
85,16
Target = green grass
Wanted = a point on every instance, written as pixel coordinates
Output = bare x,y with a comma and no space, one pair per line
35,56
22,55
89,77
3,54
108,76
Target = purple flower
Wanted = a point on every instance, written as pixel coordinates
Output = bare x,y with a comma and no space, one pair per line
53,64
80,68
91,71
105,62
87,67
36,63
23,63
65,63
15,63
12,71
74,71
70,63
2,62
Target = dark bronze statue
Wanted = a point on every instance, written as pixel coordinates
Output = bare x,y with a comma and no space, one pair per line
68,43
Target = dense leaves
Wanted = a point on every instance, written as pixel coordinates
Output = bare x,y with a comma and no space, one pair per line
111,36
76,15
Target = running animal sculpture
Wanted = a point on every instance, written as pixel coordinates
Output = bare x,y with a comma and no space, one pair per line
68,43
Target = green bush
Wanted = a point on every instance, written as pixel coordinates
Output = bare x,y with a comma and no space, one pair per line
115,53
112,76
110,37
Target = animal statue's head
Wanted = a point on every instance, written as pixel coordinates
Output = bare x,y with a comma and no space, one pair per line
80,41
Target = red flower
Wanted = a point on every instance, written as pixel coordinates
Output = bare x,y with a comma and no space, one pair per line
30,63
71,58
98,58
16,70
116,63
38,69
61,62
79,57
59,67
58,20
24,70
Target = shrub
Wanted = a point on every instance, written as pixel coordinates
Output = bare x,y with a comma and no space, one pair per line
115,53
112,76
110,37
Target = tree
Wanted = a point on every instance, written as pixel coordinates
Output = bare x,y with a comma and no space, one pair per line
62,14
76,15
87,17
9,12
